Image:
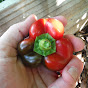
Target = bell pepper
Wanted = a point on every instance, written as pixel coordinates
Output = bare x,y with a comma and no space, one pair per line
47,41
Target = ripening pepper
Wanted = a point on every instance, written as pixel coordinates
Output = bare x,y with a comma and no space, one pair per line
49,44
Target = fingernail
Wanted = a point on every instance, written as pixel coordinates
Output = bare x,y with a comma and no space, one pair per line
35,16
73,72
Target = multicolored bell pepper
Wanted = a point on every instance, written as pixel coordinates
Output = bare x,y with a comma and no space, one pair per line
46,44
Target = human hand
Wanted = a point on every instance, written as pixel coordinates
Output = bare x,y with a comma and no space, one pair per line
13,74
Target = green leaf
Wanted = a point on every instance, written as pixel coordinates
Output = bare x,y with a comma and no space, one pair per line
45,45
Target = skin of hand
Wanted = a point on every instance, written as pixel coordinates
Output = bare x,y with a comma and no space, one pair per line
13,74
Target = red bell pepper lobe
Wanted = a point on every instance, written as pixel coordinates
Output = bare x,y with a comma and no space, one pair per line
55,28
55,62
64,48
51,26
37,28
64,53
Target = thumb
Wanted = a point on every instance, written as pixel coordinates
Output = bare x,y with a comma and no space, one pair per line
70,75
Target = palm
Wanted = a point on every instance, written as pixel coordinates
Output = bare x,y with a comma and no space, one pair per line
19,76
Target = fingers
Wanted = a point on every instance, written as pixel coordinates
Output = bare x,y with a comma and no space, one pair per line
17,32
78,44
47,76
62,19
73,70
70,75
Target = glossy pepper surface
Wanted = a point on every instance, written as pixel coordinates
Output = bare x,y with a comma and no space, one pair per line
28,57
26,46
52,26
46,39
64,53
32,59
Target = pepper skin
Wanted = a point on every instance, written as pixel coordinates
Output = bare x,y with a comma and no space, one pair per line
64,48
50,25
55,62
55,28
64,53
25,46
37,28
32,59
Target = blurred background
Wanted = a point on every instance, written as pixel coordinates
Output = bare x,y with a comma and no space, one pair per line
75,11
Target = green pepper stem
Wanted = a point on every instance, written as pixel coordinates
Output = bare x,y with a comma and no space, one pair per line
45,44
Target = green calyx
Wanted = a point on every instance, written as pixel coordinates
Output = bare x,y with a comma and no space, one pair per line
45,45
